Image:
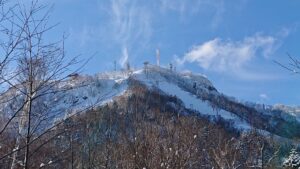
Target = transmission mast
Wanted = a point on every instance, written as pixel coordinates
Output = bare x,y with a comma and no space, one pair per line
115,66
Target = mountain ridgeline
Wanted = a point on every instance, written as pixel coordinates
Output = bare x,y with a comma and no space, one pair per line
151,118
82,92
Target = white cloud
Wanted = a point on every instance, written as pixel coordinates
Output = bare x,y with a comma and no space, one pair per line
215,8
227,55
85,35
129,26
263,96
218,16
175,5
189,7
130,22
124,58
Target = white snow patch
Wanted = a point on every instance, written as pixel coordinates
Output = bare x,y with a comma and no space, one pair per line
190,101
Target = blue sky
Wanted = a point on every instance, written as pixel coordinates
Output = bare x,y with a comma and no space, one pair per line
234,43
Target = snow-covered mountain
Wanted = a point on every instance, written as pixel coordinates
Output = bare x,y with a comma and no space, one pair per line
195,91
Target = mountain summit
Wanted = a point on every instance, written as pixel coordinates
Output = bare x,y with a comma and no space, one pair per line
195,92
154,117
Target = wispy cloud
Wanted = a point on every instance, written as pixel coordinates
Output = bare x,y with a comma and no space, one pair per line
129,20
192,7
186,7
85,34
124,57
263,96
130,23
230,56
218,15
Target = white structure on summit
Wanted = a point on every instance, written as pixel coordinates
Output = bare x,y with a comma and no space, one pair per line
157,57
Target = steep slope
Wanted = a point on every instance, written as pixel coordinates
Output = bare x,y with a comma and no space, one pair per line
196,92
177,84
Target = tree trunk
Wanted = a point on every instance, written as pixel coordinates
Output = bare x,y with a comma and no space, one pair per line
24,120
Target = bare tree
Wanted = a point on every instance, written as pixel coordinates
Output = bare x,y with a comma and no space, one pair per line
293,66
38,69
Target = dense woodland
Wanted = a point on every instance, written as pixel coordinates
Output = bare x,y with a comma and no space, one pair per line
146,130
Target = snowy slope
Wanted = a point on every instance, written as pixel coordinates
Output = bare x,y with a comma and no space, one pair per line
88,92
194,90
74,96
156,77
